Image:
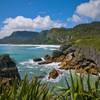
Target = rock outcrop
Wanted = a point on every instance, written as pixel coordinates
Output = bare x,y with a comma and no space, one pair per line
91,53
37,59
54,74
70,57
60,55
8,69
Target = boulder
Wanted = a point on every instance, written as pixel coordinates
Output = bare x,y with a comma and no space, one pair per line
37,59
53,74
8,69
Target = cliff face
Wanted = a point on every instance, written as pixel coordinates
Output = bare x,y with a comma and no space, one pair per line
90,53
8,69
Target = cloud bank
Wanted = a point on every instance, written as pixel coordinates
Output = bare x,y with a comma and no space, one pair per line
85,12
21,23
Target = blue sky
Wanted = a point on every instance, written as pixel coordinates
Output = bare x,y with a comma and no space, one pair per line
64,13
57,9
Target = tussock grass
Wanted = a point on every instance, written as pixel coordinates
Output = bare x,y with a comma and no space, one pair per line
80,88
25,90
35,90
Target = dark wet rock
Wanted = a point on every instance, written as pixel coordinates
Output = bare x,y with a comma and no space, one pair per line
53,74
57,53
44,62
64,47
37,59
8,69
6,61
47,57
69,50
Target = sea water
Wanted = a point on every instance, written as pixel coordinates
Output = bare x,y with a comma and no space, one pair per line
23,55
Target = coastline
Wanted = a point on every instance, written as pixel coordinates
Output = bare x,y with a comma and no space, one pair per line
42,45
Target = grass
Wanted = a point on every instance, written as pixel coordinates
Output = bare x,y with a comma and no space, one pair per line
35,90
89,41
79,89
25,90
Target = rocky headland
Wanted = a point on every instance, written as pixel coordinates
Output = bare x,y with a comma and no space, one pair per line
71,57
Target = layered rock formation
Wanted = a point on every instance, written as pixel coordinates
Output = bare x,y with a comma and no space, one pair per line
70,57
8,69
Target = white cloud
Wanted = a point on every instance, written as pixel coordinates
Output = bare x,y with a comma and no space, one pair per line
75,18
21,23
89,11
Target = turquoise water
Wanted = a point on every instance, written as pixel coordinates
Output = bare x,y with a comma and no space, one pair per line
22,53
23,56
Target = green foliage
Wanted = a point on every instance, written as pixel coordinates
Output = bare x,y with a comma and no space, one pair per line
87,33
81,89
89,41
25,90
76,89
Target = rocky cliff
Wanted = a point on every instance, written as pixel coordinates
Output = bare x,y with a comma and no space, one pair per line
72,57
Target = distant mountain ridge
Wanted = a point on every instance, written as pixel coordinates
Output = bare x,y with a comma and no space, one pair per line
23,34
19,37
52,36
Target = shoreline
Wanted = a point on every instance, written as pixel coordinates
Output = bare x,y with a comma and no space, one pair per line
46,45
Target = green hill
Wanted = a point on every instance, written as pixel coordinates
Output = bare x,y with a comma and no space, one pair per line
84,32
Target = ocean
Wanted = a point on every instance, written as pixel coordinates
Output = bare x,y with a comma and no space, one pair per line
23,55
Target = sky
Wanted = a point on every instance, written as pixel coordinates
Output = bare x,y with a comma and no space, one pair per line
37,15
